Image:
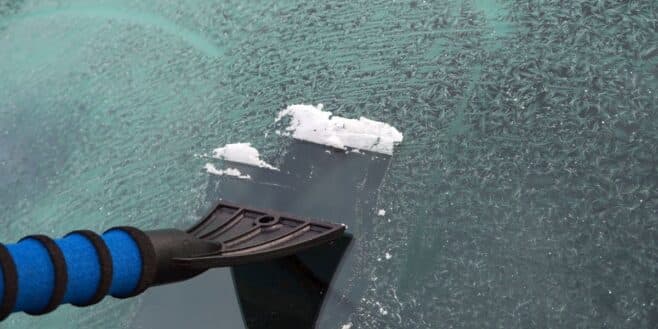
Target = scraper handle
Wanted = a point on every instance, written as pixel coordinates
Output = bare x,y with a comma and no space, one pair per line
37,274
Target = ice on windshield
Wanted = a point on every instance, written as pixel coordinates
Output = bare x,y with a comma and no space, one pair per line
524,193
312,124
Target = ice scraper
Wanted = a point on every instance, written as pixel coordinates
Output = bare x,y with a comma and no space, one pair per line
38,273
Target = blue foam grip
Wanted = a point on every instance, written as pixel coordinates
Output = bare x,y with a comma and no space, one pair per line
83,268
36,275
36,271
126,261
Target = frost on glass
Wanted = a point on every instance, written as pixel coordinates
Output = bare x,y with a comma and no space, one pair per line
523,194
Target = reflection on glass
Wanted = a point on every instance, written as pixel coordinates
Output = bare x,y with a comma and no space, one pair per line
289,292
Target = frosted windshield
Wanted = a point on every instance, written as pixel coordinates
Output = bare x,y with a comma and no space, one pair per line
523,192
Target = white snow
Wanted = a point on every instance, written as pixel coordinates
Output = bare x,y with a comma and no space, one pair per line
309,123
242,153
381,212
388,256
347,326
211,169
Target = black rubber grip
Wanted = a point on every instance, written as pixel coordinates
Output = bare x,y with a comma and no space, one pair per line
10,279
61,275
149,261
105,261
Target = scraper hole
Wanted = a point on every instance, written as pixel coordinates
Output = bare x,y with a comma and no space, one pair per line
266,220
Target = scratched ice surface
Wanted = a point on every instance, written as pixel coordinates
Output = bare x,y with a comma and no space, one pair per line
524,195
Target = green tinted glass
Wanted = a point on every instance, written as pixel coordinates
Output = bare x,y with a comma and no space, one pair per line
523,195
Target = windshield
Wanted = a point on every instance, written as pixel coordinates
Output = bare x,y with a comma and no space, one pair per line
523,193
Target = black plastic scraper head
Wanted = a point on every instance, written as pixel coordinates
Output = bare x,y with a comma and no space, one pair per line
261,244
243,235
